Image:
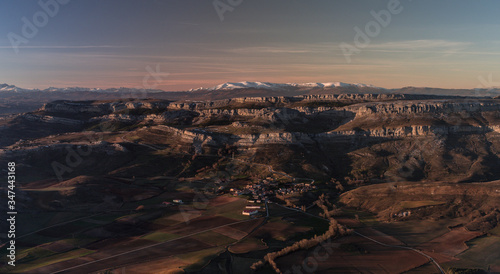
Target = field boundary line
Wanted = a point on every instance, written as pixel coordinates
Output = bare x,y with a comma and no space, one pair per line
153,245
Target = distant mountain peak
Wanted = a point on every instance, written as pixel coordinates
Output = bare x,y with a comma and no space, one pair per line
278,86
12,88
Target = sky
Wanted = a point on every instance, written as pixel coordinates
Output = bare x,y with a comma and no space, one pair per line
182,44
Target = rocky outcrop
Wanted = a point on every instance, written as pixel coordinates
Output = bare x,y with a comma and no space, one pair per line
308,138
104,147
228,102
410,107
74,107
270,114
52,119
287,138
165,117
366,106
199,136
302,98
100,108
272,138
410,131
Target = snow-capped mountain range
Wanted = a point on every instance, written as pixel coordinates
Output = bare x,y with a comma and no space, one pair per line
276,86
286,88
5,87
224,86
12,88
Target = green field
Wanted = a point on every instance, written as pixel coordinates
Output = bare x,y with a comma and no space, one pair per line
248,244
48,247
214,238
417,204
76,242
482,252
166,221
241,265
39,257
32,254
33,222
199,259
415,232
159,236
275,210
234,215
232,207
230,210
367,218
495,231
37,239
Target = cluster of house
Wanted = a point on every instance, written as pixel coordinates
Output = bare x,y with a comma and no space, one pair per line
295,188
269,188
402,214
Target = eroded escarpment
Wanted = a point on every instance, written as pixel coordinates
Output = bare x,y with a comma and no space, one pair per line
389,136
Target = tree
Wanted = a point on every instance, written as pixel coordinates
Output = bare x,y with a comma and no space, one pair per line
334,230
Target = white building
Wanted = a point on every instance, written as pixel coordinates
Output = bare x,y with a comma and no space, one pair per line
250,212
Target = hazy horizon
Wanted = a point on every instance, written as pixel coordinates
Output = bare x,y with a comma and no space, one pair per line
208,87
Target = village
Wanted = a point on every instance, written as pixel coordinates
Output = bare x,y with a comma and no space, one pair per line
268,190
260,193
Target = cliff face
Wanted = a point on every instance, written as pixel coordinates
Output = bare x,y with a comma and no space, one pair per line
289,138
52,120
414,131
199,137
73,107
277,100
366,115
360,104
410,107
272,138
100,108
392,136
